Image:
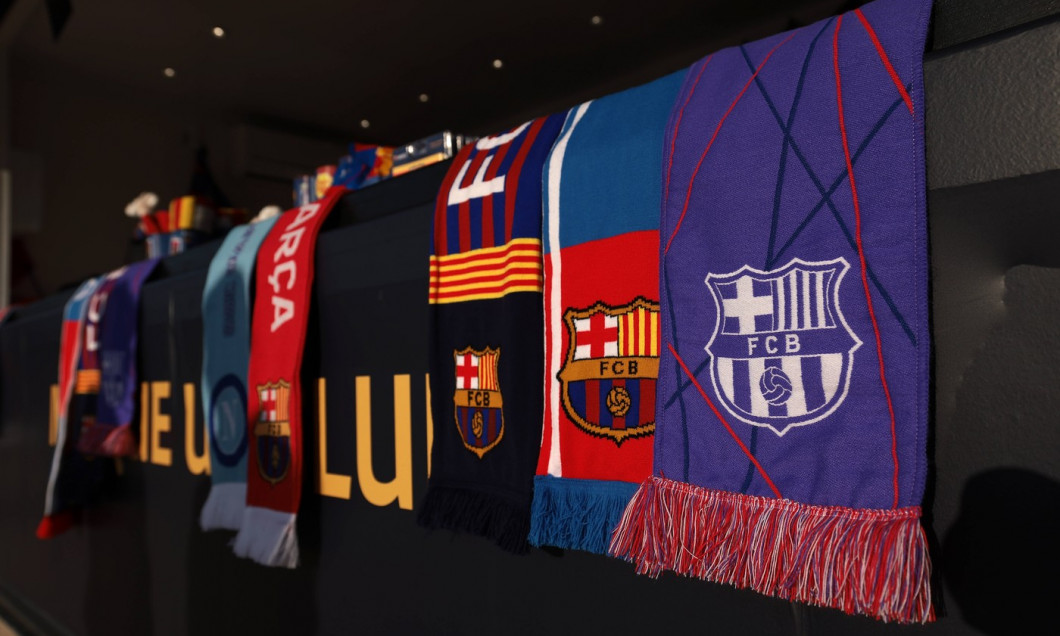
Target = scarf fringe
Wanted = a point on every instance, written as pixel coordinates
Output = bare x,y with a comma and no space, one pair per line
224,507
268,537
108,441
577,514
483,514
55,524
872,562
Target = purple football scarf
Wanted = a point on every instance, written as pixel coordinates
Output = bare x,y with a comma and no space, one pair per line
110,433
487,330
793,384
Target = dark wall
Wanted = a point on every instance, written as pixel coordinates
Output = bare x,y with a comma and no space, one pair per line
139,563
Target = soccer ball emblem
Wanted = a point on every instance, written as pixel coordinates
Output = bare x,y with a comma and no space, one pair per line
618,401
775,386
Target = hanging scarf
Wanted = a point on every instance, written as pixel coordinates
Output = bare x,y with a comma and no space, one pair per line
284,281
793,385
111,433
71,473
486,333
225,357
601,314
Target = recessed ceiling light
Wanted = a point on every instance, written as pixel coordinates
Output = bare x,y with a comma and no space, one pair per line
365,123
597,20
218,32
169,71
498,64
424,98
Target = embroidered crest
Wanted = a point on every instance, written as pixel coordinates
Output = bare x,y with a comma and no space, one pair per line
113,374
477,400
228,420
273,431
782,352
608,379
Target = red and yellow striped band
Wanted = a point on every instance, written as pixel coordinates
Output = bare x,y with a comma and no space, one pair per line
490,272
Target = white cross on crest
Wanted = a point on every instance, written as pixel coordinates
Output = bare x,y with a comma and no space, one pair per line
746,306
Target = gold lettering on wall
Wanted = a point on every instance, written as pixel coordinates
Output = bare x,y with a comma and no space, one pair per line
198,463
145,421
160,423
156,421
430,421
328,484
53,415
400,488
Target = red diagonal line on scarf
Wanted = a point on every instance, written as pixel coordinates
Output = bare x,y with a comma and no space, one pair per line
861,250
692,181
743,447
886,60
677,126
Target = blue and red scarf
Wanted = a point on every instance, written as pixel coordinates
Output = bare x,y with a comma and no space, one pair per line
793,385
72,477
486,332
601,314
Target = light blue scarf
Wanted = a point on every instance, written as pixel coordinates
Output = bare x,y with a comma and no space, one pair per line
226,308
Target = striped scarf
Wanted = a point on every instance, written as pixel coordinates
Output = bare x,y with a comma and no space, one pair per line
486,333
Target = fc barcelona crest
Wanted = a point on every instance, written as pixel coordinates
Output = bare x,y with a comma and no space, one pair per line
782,352
477,400
608,379
273,431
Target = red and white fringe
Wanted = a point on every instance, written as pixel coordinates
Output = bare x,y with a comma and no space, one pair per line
861,561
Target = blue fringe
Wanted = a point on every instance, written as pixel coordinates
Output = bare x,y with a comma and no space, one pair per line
577,514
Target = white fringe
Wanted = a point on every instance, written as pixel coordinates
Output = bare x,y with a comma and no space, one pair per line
224,507
268,537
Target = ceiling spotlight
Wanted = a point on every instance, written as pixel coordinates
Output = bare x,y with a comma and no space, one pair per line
218,32
596,20
498,64
169,71
365,123
424,98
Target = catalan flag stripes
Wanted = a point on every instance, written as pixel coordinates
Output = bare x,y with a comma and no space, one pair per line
87,381
638,333
181,213
487,372
274,404
283,395
486,273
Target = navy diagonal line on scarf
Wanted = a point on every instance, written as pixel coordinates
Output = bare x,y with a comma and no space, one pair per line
787,143
753,442
682,385
827,199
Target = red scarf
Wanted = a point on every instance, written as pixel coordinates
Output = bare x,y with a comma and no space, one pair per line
274,391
